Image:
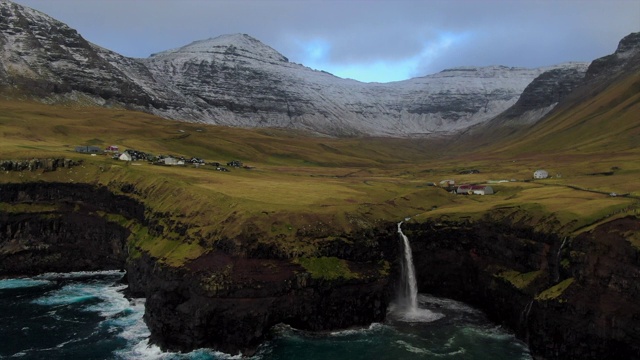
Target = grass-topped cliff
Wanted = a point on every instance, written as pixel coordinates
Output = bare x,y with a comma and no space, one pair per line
302,190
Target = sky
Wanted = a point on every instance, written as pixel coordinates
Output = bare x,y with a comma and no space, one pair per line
366,40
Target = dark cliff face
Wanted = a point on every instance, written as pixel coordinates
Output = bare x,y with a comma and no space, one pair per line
544,92
567,298
60,230
229,302
227,299
577,301
48,59
625,56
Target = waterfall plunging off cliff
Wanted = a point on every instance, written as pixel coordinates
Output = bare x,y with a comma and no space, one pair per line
406,307
408,297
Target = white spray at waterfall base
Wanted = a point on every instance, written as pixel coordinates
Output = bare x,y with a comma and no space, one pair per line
406,307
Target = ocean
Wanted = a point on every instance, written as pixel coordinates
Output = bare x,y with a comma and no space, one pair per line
86,316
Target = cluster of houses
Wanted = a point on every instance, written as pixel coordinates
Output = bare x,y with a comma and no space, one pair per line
168,160
472,189
466,189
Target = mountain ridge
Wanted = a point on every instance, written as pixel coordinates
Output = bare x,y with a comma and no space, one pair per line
236,80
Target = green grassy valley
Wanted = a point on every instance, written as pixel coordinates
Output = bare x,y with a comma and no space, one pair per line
303,184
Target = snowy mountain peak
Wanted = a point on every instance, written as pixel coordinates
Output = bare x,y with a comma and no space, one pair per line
241,45
237,80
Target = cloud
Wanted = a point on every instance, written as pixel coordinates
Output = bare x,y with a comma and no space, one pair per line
365,39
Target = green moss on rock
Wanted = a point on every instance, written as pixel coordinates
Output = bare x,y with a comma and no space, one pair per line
555,291
328,268
518,279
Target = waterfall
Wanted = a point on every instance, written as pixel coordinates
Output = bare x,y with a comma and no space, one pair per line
524,319
408,296
557,267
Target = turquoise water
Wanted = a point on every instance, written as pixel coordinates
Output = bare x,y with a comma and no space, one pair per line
86,316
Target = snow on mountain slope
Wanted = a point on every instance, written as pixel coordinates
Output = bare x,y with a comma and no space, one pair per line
237,80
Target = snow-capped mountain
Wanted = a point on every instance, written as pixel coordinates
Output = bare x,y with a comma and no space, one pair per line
237,80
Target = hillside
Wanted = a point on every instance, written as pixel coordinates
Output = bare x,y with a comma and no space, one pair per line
380,178
569,112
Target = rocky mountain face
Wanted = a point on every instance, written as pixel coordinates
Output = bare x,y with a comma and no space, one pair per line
236,80
44,58
542,95
565,85
626,56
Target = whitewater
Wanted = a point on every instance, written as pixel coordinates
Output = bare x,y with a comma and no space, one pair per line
87,316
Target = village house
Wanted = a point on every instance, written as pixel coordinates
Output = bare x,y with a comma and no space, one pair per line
474,190
540,174
171,161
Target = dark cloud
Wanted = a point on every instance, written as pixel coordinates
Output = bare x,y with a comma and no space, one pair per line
421,36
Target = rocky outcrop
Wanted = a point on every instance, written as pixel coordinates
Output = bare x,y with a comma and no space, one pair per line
43,58
541,96
38,164
626,55
568,298
230,302
227,299
56,228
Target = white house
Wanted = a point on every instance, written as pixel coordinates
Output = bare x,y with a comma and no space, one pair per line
172,161
540,174
125,157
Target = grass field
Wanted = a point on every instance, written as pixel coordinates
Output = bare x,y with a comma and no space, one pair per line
301,182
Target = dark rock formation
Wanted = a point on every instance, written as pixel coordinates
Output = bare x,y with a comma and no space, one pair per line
62,231
37,164
223,299
577,301
229,302
567,298
626,55
541,95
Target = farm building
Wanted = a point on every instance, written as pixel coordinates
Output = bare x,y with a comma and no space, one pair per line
88,149
540,174
474,190
112,148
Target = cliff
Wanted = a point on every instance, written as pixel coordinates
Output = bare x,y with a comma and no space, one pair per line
224,299
56,227
566,297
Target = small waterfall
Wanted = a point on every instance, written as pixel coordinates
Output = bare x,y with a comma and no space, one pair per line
524,320
408,296
557,267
